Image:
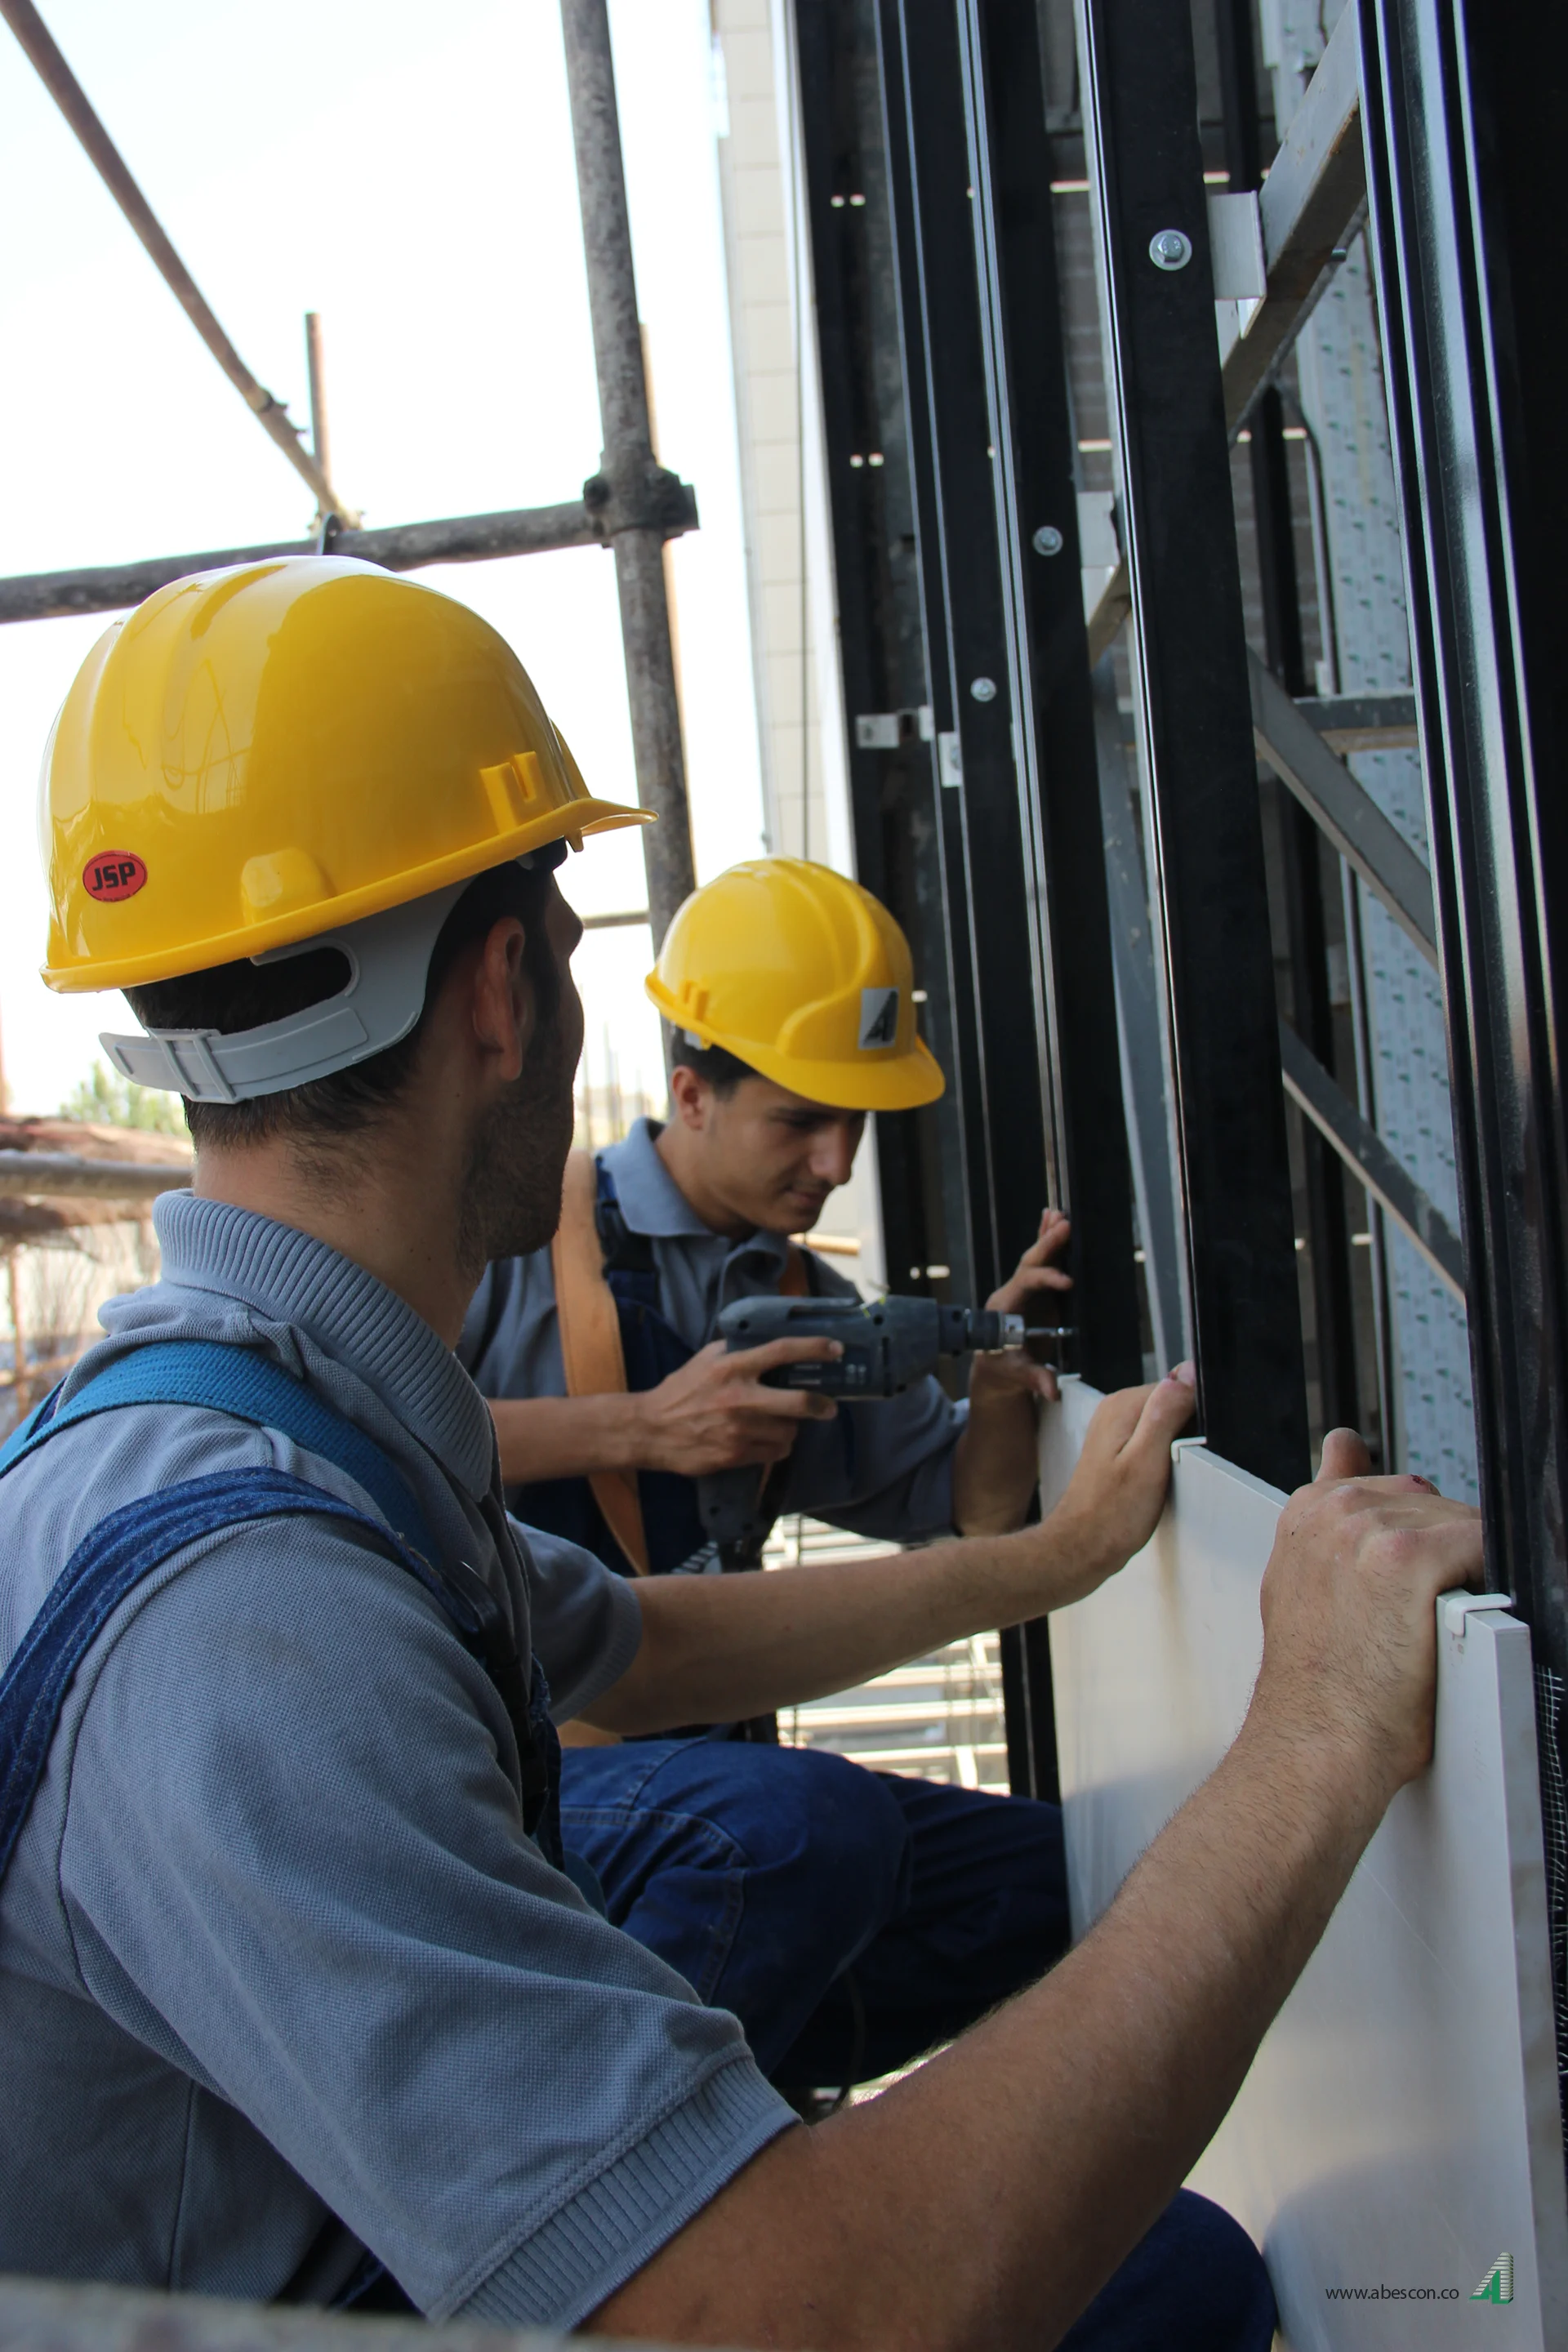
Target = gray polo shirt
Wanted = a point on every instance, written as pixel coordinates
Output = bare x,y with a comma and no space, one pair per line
883,1468
281,1975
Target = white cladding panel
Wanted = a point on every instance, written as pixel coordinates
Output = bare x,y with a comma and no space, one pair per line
1400,2126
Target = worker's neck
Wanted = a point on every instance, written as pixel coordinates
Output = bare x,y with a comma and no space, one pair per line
684,1157
387,1204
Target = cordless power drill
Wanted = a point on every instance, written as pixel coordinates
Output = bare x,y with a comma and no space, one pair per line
886,1344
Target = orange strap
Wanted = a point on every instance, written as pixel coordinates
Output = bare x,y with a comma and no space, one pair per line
591,1347
589,1327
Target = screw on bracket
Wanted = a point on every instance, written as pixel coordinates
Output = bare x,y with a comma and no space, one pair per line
1170,248
1048,539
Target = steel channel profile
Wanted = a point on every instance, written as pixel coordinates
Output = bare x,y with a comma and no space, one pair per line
1191,693
1054,768
1344,809
1463,125
966,629
923,1167
979,664
1056,761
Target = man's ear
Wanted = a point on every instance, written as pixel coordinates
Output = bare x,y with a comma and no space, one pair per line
691,1098
502,1006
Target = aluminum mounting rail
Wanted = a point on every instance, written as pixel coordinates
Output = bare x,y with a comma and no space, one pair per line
587,521
1370,1161
1344,809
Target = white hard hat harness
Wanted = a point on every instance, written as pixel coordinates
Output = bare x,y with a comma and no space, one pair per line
388,957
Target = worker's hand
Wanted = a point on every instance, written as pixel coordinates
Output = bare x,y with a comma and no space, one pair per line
715,1414
1349,1639
1115,1496
1011,1372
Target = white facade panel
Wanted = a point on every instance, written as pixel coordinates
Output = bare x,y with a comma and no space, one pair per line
1400,2126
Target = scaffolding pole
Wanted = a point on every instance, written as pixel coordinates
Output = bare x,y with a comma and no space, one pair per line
627,483
68,95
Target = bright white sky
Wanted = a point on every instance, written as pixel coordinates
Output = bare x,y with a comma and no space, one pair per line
408,172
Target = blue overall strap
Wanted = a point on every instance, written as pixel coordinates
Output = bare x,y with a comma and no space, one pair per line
109,1562
248,1386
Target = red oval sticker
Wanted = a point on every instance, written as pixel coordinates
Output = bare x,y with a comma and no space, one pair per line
113,874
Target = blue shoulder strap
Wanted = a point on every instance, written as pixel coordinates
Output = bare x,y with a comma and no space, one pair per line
128,1545
249,1387
110,1563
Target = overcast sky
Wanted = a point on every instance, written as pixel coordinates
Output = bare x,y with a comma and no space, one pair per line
408,172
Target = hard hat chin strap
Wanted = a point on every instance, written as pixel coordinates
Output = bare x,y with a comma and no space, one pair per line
388,956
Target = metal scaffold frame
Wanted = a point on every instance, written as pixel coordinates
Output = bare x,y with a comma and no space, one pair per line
632,505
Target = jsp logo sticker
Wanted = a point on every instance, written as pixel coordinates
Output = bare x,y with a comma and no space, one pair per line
113,874
878,1016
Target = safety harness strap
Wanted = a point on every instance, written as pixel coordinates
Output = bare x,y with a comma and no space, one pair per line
591,1350
111,1559
249,1387
116,1556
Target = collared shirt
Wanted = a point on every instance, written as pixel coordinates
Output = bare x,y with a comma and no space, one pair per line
883,1468
281,1975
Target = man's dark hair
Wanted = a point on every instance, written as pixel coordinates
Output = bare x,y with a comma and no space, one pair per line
721,1070
245,995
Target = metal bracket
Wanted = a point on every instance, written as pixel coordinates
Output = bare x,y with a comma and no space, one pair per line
884,730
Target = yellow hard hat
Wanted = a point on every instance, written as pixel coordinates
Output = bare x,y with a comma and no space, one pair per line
261,754
804,976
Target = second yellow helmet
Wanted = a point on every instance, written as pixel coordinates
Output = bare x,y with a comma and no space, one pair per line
804,976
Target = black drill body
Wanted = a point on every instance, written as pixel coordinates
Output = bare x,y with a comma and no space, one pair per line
887,1343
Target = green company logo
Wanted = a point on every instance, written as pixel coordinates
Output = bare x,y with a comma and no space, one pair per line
1497,2284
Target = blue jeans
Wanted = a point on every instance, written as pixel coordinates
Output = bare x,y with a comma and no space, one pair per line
850,1918
1195,2283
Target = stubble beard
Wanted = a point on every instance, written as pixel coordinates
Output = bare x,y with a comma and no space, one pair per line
510,1202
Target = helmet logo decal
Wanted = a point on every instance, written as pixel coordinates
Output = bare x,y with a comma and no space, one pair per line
113,874
878,1016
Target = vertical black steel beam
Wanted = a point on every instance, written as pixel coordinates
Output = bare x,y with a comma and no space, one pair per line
1010,1148
1464,110
1057,764
1140,103
920,1154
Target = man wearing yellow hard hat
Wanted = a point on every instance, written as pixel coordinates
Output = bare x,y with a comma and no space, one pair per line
302,1998
851,1919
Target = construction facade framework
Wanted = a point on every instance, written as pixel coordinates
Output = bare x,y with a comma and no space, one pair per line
1234,870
